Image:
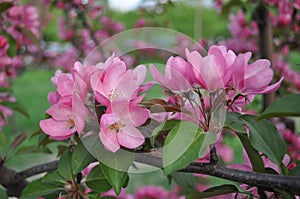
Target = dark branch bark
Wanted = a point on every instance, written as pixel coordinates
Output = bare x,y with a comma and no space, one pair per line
15,182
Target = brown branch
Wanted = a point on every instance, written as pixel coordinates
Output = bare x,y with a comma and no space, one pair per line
15,182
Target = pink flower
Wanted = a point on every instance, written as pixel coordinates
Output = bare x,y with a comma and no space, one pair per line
65,120
178,75
118,126
254,78
115,82
214,70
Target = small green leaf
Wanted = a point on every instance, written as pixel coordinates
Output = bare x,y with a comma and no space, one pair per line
295,171
227,6
285,106
37,189
81,158
214,191
233,122
5,90
97,181
3,194
53,177
65,165
16,107
186,181
264,137
253,155
115,177
162,128
185,143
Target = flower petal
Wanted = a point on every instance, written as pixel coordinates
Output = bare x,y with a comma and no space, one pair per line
130,137
109,139
58,130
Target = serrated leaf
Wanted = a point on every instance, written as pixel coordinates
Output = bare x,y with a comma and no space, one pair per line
214,191
97,181
285,106
162,128
115,177
37,189
16,107
3,194
65,165
186,181
264,137
185,143
81,158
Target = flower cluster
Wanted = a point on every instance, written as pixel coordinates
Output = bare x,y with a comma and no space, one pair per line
114,88
116,91
220,69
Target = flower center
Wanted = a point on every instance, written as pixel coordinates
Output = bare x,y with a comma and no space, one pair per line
113,94
70,122
116,126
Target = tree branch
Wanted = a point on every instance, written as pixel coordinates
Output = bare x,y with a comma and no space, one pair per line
15,182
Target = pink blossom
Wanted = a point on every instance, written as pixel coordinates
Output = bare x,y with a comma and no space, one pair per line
66,59
116,81
118,127
177,75
254,78
65,120
214,70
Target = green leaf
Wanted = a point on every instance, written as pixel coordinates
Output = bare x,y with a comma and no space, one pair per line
233,122
227,6
81,158
120,160
65,165
285,106
253,155
214,191
185,143
3,194
264,137
5,90
115,177
12,50
53,177
37,189
97,181
186,181
295,171
162,128
16,107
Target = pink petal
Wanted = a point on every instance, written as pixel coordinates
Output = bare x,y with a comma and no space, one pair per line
56,129
109,139
79,110
162,80
140,74
59,113
130,137
138,115
271,88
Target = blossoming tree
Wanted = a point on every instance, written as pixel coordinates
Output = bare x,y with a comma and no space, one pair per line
108,125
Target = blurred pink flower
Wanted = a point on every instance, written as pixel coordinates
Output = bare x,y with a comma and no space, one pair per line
3,45
152,192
